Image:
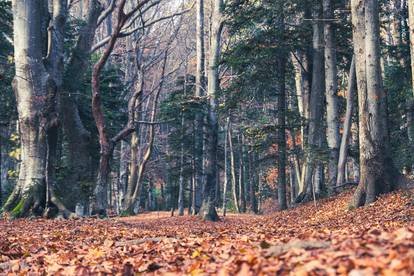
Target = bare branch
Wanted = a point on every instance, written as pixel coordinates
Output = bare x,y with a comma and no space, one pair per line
106,12
126,32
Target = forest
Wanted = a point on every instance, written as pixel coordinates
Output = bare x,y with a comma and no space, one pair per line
207,137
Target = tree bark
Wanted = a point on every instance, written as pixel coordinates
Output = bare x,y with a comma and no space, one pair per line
316,106
233,169
252,181
226,166
33,87
135,194
74,131
343,152
242,191
377,171
331,87
209,197
181,178
281,133
100,200
199,93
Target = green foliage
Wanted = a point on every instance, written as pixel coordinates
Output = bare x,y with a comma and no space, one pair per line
398,88
179,107
7,101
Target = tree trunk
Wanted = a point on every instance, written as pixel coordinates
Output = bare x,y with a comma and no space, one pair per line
316,106
233,169
343,152
134,194
331,86
199,93
242,192
252,181
74,131
377,171
100,200
281,133
123,174
32,87
226,167
209,197
181,179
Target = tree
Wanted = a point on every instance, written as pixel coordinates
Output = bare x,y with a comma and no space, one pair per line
75,132
343,152
377,171
37,80
199,92
209,200
332,115
315,127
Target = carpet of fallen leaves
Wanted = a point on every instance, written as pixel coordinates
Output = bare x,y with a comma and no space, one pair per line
326,240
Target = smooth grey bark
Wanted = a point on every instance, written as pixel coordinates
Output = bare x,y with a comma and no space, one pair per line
377,171
314,138
252,181
331,88
241,182
233,168
208,210
226,167
343,152
33,88
181,178
123,173
199,93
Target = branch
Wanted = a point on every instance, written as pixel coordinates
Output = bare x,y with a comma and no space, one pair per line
126,32
154,123
106,12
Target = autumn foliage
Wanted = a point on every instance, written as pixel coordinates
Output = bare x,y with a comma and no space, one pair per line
326,240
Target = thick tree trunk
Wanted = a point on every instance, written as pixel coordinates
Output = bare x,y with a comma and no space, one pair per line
32,86
343,152
377,171
332,115
74,131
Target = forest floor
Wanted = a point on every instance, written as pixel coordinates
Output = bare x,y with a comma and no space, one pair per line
326,240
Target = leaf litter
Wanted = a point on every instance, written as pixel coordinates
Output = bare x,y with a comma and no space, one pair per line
326,240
